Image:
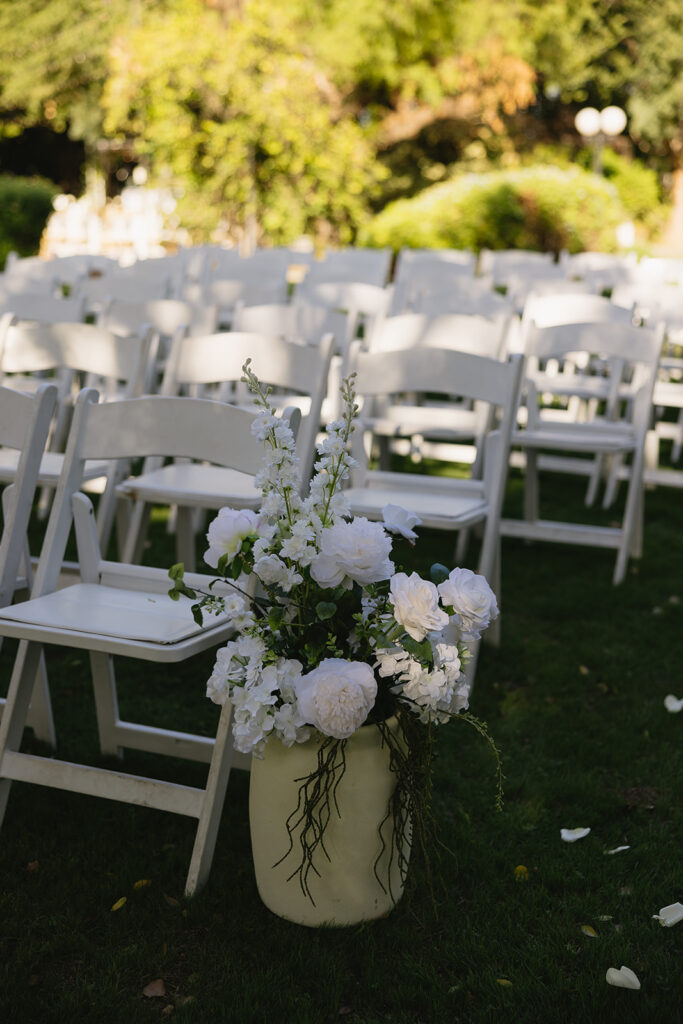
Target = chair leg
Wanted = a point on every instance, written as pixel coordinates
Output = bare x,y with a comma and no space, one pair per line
39,716
106,702
185,538
531,486
630,527
138,522
26,666
212,805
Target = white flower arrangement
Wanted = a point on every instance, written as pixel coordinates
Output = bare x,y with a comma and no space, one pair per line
336,637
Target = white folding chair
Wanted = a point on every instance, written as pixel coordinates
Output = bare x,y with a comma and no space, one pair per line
119,609
354,264
297,370
118,364
442,503
24,424
625,353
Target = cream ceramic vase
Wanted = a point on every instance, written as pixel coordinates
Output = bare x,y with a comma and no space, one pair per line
346,890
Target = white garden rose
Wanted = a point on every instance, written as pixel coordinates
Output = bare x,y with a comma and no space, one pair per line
227,531
416,605
337,696
357,551
472,600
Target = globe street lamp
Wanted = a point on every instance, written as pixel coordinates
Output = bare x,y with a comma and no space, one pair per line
599,125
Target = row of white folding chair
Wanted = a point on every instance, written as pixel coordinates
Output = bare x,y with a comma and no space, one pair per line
123,610
627,399
298,372
24,424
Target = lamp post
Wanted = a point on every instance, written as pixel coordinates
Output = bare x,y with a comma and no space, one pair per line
599,125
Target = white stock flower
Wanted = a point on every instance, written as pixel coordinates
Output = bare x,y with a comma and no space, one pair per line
271,570
227,531
416,605
336,696
472,600
357,551
399,520
298,550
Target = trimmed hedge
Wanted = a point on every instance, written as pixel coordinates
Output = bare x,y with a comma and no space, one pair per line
541,208
25,205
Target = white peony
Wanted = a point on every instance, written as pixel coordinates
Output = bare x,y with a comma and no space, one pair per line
357,551
336,696
227,531
399,520
416,605
472,600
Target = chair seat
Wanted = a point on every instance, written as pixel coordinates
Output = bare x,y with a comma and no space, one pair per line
112,619
193,484
50,467
590,437
434,509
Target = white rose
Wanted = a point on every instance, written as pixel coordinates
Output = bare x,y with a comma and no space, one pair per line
416,605
399,520
227,531
358,550
472,600
336,696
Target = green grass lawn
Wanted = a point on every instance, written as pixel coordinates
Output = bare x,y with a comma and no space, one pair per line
574,698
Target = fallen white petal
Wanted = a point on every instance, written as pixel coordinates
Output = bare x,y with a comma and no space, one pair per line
570,835
669,916
673,704
617,849
622,978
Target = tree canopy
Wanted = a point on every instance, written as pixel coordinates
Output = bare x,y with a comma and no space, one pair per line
300,116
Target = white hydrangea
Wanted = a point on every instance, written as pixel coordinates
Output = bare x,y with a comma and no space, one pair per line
272,571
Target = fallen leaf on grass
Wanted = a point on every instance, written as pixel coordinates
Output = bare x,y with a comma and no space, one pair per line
669,916
674,599
617,849
33,866
605,917
503,982
143,883
155,989
172,901
570,835
344,1011
590,932
584,670
673,704
622,978
168,1010
521,873
120,903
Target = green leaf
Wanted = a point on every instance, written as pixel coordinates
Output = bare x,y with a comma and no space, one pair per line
176,571
325,610
438,573
222,563
197,614
174,595
275,616
236,568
